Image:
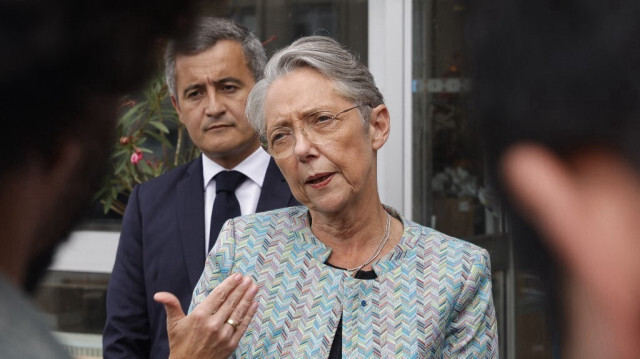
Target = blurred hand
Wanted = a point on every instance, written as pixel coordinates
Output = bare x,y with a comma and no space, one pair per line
587,208
205,332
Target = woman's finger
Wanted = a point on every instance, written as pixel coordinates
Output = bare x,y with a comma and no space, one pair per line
245,312
219,295
228,306
243,306
171,306
237,317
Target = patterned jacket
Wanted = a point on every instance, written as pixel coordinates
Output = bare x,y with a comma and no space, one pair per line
432,297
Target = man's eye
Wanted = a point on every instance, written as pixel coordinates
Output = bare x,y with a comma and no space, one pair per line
228,88
193,94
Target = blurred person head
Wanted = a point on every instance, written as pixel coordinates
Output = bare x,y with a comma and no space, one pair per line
76,59
209,73
558,98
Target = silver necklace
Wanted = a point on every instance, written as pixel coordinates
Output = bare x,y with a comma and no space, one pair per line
383,241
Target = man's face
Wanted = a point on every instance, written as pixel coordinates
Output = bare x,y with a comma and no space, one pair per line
212,89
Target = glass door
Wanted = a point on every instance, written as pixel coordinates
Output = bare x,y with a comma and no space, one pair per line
451,191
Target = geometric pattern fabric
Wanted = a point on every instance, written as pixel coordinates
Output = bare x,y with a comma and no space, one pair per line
431,299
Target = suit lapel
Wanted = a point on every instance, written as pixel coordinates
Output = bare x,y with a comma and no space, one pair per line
275,191
190,191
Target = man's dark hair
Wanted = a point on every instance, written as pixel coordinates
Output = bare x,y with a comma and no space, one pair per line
205,33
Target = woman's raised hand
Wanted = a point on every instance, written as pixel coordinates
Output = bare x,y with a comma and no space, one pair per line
214,327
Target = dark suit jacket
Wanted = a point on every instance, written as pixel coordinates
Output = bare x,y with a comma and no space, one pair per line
161,248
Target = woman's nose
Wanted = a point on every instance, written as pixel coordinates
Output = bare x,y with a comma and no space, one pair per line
303,147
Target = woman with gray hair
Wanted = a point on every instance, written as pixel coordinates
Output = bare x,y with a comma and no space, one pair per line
343,275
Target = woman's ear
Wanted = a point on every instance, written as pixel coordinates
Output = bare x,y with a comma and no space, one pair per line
379,126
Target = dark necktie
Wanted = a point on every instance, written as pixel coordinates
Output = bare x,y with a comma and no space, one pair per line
226,205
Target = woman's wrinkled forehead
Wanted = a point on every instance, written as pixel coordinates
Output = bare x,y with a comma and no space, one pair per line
298,93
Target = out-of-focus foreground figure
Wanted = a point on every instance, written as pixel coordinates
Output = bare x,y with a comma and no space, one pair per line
558,95
64,66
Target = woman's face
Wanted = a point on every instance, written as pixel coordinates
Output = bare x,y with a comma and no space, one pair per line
341,170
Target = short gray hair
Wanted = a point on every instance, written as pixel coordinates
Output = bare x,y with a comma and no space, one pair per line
204,35
352,79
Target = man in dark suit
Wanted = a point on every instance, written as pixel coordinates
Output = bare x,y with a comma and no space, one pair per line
172,221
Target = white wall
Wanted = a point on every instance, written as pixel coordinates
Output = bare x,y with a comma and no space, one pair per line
390,63
87,251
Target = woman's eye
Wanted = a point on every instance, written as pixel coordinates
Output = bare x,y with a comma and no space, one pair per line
278,137
322,117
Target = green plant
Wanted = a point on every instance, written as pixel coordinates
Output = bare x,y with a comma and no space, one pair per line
151,140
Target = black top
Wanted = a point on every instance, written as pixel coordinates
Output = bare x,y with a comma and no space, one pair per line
336,346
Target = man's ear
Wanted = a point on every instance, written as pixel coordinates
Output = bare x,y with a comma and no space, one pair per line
379,126
176,105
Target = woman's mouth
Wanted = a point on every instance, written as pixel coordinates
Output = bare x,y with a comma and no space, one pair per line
319,180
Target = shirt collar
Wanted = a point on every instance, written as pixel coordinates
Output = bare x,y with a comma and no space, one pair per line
254,167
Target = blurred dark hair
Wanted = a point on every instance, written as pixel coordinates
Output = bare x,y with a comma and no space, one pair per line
56,54
63,65
564,73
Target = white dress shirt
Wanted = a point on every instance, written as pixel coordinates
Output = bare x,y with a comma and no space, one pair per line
248,193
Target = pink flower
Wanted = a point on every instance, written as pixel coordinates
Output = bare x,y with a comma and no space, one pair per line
136,157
